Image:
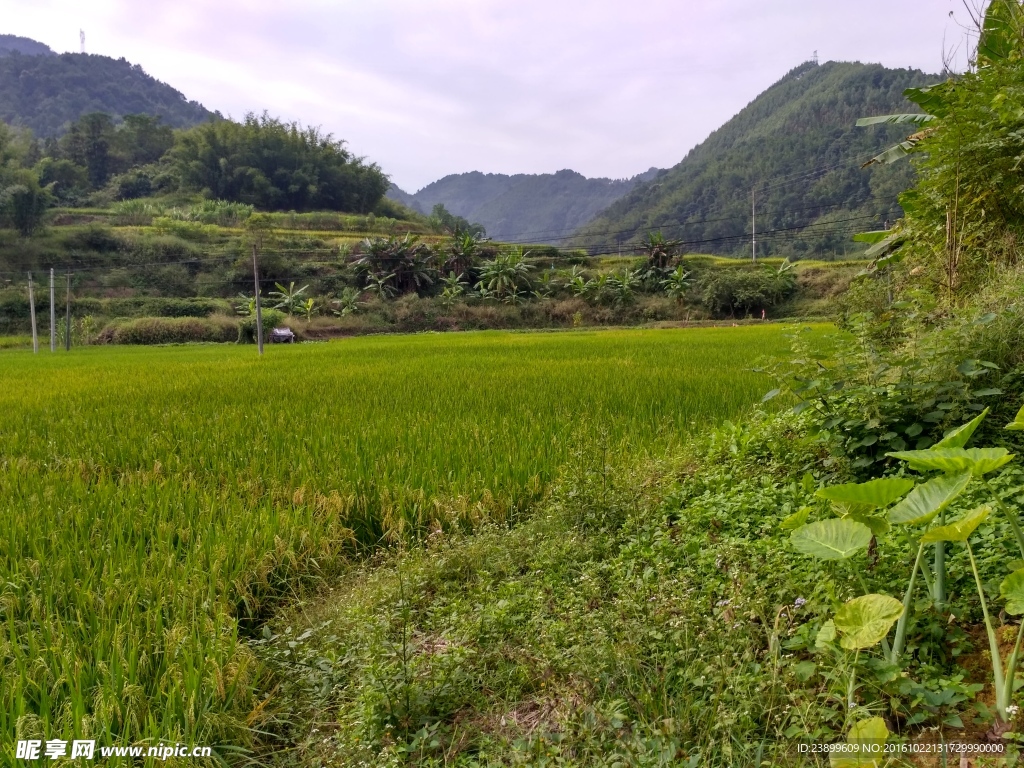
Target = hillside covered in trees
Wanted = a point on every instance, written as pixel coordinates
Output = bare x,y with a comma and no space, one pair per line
47,92
538,208
796,147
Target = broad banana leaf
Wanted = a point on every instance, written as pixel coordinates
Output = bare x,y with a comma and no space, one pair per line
909,117
998,32
872,237
932,99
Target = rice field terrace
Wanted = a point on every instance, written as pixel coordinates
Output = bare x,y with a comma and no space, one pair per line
157,503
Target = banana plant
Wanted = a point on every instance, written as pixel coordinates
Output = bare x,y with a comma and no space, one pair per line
289,298
347,302
308,308
998,42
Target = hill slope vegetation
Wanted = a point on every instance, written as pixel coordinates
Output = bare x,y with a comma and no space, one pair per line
798,144
47,92
539,208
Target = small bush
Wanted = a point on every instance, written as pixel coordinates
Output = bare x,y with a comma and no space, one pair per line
169,330
272,318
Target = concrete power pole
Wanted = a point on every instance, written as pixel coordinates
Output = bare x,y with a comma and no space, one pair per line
53,315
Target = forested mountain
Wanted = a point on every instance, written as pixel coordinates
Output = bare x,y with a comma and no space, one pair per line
535,207
47,92
796,146
25,45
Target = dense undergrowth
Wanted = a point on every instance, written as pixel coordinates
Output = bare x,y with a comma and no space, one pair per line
646,616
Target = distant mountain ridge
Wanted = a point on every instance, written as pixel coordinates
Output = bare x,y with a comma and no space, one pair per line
45,91
24,45
530,207
796,147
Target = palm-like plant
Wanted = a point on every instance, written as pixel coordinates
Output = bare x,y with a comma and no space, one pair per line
347,302
461,252
308,308
288,298
246,306
380,285
506,274
660,252
677,283
408,262
454,287
546,285
578,282
622,285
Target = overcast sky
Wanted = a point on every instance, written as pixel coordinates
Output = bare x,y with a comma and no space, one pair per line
431,87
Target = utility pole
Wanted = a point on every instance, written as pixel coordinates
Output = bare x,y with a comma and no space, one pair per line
753,225
32,312
67,318
53,316
259,313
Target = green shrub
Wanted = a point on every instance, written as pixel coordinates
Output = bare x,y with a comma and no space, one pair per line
272,318
169,330
740,291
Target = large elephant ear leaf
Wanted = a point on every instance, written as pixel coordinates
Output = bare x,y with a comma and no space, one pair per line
1017,425
927,500
868,737
834,539
865,620
960,530
977,461
1012,590
958,437
873,494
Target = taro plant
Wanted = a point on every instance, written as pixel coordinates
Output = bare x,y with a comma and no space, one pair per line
869,510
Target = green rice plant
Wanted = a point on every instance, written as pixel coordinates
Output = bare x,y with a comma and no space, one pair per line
158,503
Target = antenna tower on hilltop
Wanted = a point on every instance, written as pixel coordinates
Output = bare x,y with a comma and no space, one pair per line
814,58
81,37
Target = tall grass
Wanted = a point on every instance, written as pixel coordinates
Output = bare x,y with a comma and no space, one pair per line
156,503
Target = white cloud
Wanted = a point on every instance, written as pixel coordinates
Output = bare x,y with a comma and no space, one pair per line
430,87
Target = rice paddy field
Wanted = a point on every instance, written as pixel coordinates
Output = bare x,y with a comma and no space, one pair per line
157,503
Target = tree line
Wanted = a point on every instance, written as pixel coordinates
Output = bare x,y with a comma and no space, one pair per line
261,161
